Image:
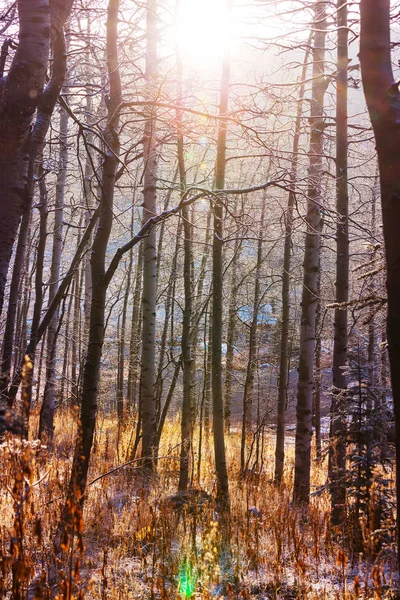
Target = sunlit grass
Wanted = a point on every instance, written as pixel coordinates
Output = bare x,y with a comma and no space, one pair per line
138,546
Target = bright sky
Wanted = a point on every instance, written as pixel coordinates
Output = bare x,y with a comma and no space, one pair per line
201,30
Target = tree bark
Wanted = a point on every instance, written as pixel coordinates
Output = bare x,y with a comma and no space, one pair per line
231,336
337,448
135,333
251,365
186,345
147,377
383,101
46,423
302,469
37,308
15,289
21,92
285,294
97,314
217,282
122,337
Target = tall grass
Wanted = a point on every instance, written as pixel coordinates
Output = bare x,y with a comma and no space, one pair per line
133,543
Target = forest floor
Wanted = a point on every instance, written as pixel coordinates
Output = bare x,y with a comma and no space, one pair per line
136,544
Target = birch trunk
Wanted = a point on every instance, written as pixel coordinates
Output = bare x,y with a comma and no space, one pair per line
217,283
46,423
21,92
337,449
285,294
302,469
148,375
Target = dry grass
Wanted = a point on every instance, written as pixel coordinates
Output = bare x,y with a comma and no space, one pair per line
136,546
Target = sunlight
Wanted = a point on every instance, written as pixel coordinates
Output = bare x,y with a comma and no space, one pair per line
201,30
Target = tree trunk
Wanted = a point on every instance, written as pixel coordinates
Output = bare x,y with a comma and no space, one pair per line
317,382
147,377
135,333
337,448
251,365
187,358
302,469
383,101
76,356
21,92
37,308
97,314
230,342
15,290
217,282
284,343
168,310
121,361
65,379
46,424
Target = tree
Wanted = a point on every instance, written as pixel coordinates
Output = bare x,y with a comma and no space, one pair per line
148,374
337,456
217,276
22,92
383,101
46,424
310,265
284,342
100,283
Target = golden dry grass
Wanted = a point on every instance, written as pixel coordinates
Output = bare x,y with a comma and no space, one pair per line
136,546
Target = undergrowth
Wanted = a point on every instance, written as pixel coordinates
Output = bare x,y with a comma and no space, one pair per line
133,543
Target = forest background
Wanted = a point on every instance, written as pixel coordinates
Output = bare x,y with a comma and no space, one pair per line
192,277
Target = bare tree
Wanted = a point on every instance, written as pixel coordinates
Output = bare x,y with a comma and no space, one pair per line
22,92
100,283
147,377
310,265
337,462
383,101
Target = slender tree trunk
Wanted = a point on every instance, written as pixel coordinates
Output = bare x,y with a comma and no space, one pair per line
97,317
64,390
168,312
21,329
88,184
302,470
251,365
284,344
187,358
37,309
76,357
337,449
317,383
15,289
147,377
121,361
135,333
230,342
217,283
46,423
208,366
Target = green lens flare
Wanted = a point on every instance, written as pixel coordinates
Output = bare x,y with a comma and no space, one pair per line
186,580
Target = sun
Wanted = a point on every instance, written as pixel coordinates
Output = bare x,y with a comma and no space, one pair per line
202,30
